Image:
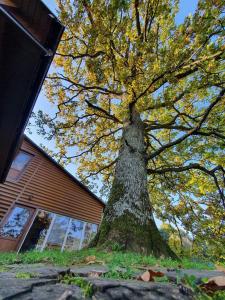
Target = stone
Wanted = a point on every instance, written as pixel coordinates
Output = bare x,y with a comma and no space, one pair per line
136,290
12,288
84,271
199,274
45,284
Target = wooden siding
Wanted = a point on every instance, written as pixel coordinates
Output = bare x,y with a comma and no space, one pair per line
44,185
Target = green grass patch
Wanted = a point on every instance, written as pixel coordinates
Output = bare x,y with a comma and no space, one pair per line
85,286
26,275
112,259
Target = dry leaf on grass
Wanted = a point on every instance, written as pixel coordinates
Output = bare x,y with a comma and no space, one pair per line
220,268
214,284
149,275
90,259
145,276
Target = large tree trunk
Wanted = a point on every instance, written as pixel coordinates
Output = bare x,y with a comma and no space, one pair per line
128,219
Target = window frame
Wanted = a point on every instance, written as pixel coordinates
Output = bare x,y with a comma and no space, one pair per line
24,168
55,214
7,216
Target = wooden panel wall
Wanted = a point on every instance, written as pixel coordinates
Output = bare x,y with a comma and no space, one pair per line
45,186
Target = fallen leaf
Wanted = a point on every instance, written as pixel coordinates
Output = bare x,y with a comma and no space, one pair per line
214,284
90,259
155,274
145,276
149,275
220,268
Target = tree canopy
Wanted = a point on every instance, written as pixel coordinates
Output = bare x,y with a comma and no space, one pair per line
120,54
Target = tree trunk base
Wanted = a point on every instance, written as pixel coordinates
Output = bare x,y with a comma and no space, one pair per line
126,234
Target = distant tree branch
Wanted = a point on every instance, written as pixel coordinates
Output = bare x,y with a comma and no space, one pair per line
85,87
197,167
93,144
192,131
101,169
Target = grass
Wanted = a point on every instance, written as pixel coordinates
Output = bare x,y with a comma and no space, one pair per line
26,275
112,259
121,265
85,286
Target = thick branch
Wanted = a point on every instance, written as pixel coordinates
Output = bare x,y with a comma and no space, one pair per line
197,167
138,25
82,55
95,107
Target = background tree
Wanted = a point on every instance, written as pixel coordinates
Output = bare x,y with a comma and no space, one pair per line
140,102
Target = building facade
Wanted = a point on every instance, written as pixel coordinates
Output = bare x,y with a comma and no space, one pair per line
42,206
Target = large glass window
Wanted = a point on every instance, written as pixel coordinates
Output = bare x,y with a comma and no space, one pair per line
73,241
18,166
89,233
38,231
16,222
58,232
54,231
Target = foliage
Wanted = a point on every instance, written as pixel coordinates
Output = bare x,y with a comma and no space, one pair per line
123,54
118,273
26,275
85,286
112,259
190,281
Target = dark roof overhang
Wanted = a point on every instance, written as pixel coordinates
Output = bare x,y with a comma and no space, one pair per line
29,36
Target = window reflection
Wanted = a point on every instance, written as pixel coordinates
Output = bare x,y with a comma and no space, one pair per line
19,164
53,231
89,233
38,231
58,231
74,236
16,222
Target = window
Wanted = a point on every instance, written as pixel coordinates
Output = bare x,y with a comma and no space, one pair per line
16,222
18,166
73,241
38,231
53,231
89,233
58,232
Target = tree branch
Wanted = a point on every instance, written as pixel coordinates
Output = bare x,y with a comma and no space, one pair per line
138,25
197,167
192,131
82,55
95,107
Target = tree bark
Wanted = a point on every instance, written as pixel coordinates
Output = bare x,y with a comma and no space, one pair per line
128,219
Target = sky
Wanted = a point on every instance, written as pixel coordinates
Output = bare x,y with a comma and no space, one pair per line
186,7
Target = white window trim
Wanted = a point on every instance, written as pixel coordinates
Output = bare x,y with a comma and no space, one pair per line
82,236
48,233
66,235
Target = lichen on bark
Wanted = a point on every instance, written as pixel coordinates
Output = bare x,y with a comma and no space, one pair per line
128,217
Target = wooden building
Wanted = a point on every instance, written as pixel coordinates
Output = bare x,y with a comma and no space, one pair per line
42,206
29,36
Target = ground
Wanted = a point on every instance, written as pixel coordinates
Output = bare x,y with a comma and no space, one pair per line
91,274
